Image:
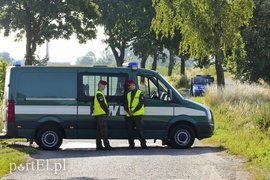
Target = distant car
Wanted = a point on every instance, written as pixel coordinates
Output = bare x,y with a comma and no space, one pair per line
199,84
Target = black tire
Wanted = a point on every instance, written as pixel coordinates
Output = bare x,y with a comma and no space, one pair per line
37,141
182,137
49,138
169,143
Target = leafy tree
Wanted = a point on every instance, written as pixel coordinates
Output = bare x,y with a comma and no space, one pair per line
141,48
255,66
145,43
121,20
106,57
6,57
3,66
207,27
40,20
172,44
89,58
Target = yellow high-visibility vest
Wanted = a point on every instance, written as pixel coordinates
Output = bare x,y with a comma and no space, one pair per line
97,108
134,104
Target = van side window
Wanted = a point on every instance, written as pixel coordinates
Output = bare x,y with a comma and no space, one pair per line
152,87
88,85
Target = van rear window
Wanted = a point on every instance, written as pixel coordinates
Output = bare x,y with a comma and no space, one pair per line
47,85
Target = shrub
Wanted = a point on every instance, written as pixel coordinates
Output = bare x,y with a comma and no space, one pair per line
183,82
3,66
242,123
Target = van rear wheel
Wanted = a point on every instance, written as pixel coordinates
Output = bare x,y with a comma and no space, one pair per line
182,137
49,138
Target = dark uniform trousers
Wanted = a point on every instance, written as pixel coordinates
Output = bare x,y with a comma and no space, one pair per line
135,123
102,132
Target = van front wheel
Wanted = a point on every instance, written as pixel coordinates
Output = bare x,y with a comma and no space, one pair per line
182,137
49,138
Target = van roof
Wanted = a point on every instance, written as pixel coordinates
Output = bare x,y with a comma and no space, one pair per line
101,68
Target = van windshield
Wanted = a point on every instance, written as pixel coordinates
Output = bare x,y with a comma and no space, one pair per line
154,87
200,80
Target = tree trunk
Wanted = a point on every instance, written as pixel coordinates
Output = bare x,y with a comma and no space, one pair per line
219,70
119,58
171,63
154,64
218,58
183,66
143,61
28,55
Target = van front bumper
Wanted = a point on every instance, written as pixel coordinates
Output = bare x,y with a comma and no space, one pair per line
205,131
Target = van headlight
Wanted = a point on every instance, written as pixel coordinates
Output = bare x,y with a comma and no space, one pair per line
209,115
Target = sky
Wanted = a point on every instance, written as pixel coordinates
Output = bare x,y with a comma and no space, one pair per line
59,50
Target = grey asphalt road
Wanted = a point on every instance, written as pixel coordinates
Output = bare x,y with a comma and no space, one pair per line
78,159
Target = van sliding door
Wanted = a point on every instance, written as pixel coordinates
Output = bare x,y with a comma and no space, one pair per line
115,94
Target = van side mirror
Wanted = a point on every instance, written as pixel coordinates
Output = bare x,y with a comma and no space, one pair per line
170,95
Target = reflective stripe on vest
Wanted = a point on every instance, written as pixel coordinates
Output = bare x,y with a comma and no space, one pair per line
135,103
97,108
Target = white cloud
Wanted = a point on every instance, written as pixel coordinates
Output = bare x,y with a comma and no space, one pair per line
59,50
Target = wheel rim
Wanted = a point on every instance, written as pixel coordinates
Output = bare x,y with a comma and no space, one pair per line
49,138
182,137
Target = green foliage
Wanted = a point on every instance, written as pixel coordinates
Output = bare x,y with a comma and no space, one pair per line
207,27
6,57
39,21
89,58
119,21
3,66
209,70
199,99
242,124
257,39
12,153
1,118
183,82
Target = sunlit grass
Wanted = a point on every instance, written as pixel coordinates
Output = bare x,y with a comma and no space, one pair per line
242,124
12,153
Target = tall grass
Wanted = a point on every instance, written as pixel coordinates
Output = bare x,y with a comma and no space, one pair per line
1,121
242,123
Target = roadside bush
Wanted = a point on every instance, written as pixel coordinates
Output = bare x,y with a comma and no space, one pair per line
1,121
242,124
179,81
183,82
3,66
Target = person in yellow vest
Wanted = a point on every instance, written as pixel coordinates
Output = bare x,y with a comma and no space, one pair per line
134,106
101,112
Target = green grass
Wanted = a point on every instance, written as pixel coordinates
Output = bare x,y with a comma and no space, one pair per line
242,124
12,153
199,99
